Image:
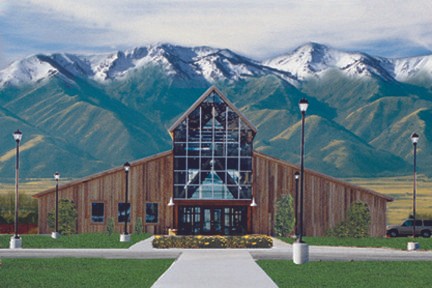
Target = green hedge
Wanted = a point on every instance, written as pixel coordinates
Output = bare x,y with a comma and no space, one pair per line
246,241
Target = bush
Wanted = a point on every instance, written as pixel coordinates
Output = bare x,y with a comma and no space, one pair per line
356,225
285,218
67,217
246,241
138,226
110,226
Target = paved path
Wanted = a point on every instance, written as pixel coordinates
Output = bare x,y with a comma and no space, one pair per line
222,267
215,268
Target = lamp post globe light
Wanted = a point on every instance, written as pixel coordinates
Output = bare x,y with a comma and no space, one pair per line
56,233
16,241
301,249
125,237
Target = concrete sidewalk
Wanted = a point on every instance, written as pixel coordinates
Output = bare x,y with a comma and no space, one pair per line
211,268
215,268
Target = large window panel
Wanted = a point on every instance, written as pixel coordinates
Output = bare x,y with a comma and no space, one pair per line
152,213
179,163
212,153
97,212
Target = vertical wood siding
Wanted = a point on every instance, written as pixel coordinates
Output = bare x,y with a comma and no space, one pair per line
326,200
150,180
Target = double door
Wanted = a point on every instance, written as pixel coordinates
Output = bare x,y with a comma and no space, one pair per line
212,220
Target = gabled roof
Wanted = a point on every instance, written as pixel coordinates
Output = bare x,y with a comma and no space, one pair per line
212,89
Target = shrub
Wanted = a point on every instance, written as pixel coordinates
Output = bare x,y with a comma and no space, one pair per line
356,225
285,218
110,226
67,217
246,241
138,226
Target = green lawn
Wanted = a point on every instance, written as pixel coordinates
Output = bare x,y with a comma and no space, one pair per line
378,242
73,272
348,274
88,240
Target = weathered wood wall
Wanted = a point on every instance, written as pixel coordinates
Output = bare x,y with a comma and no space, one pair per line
151,180
326,200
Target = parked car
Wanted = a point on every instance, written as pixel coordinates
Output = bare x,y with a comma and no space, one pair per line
423,228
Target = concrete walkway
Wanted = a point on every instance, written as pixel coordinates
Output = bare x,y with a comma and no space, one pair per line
210,268
215,268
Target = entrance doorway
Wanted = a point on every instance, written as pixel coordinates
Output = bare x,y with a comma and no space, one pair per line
209,220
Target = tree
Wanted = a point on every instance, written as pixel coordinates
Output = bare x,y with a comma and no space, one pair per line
285,218
67,217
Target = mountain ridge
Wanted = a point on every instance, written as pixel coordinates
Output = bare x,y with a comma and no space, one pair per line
96,112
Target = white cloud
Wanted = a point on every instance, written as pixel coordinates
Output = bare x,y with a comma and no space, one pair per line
255,28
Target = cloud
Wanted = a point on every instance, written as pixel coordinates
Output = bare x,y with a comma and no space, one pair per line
254,28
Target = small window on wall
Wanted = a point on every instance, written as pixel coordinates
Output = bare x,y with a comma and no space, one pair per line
123,212
97,212
151,213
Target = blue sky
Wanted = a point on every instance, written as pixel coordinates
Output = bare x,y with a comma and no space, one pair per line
257,29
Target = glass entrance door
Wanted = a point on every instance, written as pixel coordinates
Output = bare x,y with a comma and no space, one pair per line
212,221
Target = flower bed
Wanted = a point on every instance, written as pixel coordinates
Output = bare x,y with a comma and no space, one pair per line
199,241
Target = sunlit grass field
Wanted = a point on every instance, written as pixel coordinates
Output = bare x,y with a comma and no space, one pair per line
400,188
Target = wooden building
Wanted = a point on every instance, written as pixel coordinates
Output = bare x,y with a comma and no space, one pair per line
210,178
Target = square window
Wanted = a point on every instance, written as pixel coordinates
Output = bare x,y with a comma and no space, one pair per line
151,213
123,212
97,212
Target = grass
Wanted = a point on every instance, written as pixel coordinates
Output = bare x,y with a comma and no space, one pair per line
74,272
375,242
400,188
348,274
88,240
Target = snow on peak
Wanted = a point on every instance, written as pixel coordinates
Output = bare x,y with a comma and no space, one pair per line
313,60
29,70
406,69
203,63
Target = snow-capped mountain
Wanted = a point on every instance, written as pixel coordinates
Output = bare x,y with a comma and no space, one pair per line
62,102
409,68
212,65
314,60
207,63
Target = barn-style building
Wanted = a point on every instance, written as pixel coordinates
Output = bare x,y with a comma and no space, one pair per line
207,183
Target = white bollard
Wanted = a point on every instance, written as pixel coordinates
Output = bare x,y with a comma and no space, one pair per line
300,253
15,243
412,246
125,237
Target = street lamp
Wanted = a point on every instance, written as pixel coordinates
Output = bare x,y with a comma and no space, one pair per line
301,249
414,140
15,241
125,237
296,178
56,233
303,105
